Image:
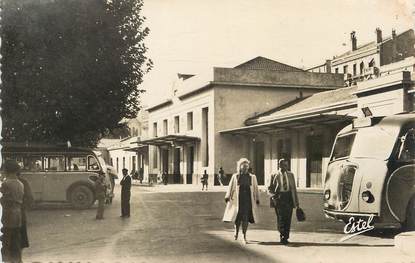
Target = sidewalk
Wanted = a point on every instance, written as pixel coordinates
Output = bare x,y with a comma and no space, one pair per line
172,188
160,188
317,247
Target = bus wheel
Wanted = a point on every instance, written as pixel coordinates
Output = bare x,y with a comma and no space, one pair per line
81,197
410,215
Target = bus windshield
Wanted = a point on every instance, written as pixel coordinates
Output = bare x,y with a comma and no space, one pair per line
375,142
343,146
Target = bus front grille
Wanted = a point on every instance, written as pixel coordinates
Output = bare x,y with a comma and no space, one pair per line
346,185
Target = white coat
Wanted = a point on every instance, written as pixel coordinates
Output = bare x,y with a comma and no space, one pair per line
231,210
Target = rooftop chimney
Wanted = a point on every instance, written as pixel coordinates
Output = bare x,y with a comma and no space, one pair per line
378,35
354,40
328,66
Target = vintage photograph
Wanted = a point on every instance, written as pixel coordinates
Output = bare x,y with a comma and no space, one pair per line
207,131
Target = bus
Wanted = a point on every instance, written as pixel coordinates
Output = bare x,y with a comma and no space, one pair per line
371,172
59,173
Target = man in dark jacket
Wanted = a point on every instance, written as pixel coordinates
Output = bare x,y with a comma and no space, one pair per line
27,203
125,193
12,199
284,195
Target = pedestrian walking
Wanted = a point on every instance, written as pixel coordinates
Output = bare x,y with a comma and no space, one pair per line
125,193
205,179
26,205
284,198
242,199
100,191
12,199
221,175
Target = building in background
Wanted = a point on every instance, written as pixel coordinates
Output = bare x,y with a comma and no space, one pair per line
184,130
380,83
122,153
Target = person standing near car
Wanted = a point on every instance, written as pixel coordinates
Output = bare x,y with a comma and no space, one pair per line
284,198
100,190
12,199
125,193
27,203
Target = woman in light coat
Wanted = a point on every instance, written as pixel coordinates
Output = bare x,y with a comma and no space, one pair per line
242,198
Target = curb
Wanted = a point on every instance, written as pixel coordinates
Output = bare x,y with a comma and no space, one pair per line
406,242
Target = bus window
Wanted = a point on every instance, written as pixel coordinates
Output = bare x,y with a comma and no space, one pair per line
343,146
28,163
54,163
92,164
33,163
407,151
76,163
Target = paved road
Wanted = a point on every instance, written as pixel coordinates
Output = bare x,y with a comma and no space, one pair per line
178,224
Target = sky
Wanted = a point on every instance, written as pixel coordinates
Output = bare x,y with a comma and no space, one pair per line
192,36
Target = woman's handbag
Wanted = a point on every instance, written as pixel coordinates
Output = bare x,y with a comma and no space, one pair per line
300,214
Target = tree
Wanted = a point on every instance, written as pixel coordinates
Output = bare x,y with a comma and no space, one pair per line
71,69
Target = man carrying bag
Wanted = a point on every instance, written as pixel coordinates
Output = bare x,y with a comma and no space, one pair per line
284,198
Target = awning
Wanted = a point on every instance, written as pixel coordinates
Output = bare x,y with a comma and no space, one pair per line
294,122
168,140
139,148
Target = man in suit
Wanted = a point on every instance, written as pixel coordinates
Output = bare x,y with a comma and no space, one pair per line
125,193
12,200
28,200
284,195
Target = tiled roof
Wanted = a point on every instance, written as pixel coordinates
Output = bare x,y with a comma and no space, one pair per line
266,64
312,103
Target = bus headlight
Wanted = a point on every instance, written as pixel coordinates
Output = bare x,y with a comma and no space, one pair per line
327,195
368,197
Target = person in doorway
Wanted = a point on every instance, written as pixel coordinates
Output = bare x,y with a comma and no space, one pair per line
221,175
284,198
205,179
164,177
141,175
100,190
12,199
242,199
125,193
27,203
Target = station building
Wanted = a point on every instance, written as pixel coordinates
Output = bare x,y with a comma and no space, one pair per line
185,138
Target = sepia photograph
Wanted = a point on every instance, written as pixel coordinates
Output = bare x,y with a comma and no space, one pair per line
146,131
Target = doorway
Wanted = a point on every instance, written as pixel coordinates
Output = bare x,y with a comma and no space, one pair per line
190,165
176,166
314,161
259,157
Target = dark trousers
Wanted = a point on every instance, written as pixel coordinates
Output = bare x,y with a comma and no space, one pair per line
100,211
125,205
284,210
11,250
